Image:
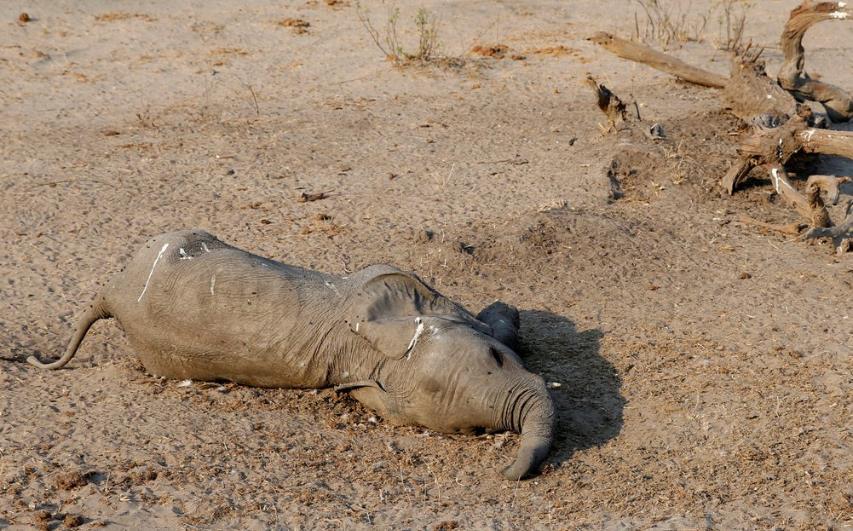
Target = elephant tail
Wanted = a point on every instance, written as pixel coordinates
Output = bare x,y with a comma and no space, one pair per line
97,310
537,433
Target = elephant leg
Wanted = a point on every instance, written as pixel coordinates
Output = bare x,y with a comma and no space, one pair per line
504,321
373,396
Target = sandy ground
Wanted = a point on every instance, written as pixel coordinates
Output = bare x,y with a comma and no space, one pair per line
705,366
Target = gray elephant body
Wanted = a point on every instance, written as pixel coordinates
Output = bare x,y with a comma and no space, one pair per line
196,308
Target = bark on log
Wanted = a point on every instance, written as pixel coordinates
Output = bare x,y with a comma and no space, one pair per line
826,141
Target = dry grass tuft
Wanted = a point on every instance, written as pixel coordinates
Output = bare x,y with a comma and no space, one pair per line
390,43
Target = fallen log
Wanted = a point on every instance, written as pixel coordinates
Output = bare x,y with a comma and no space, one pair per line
640,53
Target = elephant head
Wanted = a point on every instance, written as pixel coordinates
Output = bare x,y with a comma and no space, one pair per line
440,367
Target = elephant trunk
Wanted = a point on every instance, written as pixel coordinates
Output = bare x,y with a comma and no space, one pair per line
531,413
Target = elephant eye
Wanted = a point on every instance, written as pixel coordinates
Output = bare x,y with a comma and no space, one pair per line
497,355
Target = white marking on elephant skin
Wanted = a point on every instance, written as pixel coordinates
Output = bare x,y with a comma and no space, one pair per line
332,287
185,383
184,255
356,326
809,135
839,14
212,283
419,329
204,246
159,255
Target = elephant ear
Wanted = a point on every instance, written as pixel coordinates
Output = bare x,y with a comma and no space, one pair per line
389,307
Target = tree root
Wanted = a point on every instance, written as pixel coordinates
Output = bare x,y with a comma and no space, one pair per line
837,102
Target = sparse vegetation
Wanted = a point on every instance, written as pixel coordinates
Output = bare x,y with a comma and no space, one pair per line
668,24
732,21
389,42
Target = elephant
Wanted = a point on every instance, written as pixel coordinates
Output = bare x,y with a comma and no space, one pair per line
194,307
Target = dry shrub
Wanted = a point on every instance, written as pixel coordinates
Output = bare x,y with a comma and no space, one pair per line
389,42
669,23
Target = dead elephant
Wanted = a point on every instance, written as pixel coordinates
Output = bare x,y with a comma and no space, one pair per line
196,308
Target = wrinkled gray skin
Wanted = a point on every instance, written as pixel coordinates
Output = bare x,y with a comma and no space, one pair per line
196,308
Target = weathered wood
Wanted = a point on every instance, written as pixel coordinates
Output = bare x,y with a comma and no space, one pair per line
778,145
810,205
837,102
826,141
780,127
658,60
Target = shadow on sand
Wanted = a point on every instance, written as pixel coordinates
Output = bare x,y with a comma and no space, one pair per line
588,402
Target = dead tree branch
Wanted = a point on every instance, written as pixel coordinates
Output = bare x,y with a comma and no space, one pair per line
826,141
641,53
837,102
810,205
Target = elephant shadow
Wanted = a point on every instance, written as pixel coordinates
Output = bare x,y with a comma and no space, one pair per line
588,401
